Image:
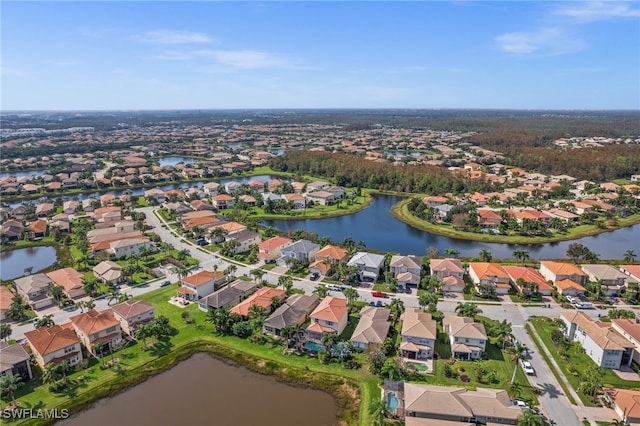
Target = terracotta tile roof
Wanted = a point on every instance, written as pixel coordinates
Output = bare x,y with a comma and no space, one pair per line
629,327
567,283
628,402
330,309
331,252
67,278
274,242
46,340
528,274
262,297
487,270
602,334
132,308
203,277
319,328
562,268
94,321
222,197
6,298
631,269
186,290
230,227
38,227
321,265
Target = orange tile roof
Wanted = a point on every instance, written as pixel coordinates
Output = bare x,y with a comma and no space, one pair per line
560,268
230,226
330,309
6,297
567,283
38,227
222,197
67,278
488,270
262,297
93,321
632,269
274,242
627,400
528,274
320,264
46,340
332,252
203,277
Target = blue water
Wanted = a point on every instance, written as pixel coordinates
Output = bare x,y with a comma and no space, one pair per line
313,346
392,401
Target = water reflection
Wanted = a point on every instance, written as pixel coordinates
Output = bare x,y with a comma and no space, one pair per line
14,262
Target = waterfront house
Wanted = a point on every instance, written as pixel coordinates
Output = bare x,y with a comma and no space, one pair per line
262,298
52,345
489,219
406,269
200,284
211,188
70,280
557,271
222,201
632,272
228,295
6,299
528,275
323,198
301,250
372,327
368,265
245,239
294,311
418,334
133,313
330,316
332,254
296,201
601,342
94,327
15,361
34,290
630,330
108,272
468,339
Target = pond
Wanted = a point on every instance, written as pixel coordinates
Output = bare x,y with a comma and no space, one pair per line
173,160
380,230
14,262
203,390
18,175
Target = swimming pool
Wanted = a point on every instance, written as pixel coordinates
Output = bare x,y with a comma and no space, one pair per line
313,346
392,401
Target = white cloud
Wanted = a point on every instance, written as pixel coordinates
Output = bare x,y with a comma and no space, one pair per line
237,59
173,37
598,11
546,41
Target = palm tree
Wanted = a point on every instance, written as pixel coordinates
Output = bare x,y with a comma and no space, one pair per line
449,251
329,340
351,294
5,331
45,321
503,330
397,308
428,299
629,256
515,389
56,292
113,296
593,378
467,309
379,410
51,374
230,270
286,282
485,255
217,234
531,417
9,384
90,304
521,255
258,274
143,332
516,353
321,291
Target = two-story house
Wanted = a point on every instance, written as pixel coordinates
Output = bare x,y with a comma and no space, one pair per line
325,257
200,284
70,280
301,251
132,313
468,339
294,311
94,327
630,330
489,274
419,333
262,298
521,278
558,271
330,316
608,275
52,345
368,265
14,360
271,249
34,290
372,327
602,343
406,269
129,247
108,272
228,295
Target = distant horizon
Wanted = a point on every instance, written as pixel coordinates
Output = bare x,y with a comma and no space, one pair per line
350,55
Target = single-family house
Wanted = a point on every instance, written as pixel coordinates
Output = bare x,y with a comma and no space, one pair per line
70,207
108,272
569,287
530,278
262,298
632,272
232,187
446,267
6,299
440,405
245,239
55,344
323,198
419,333
129,247
228,295
489,274
406,269
70,280
337,191
37,229
43,209
332,254
296,201
626,404
489,219
200,284
468,339
94,327
294,311
368,265
222,201
211,188
301,251
12,230
34,290
15,361
602,343
317,186
156,194
271,249
630,330
372,328
330,316
557,271
133,313
608,275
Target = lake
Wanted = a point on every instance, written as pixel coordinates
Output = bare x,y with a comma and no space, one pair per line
14,262
173,160
204,390
380,230
18,175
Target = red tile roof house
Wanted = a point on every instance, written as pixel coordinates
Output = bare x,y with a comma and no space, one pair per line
626,404
200,284
489,219
529,275
70,280
485,273
95,327
330,316
6,299
271,249
263,298
557,271
133,313
52,345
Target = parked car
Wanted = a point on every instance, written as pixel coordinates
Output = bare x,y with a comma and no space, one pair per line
165,283
333,287
372,304
314,276
379,294
378,304
527,367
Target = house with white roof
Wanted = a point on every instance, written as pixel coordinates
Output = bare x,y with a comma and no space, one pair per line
368,265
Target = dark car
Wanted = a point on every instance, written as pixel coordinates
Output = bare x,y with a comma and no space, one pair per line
378,304
165,283
314,276
372,304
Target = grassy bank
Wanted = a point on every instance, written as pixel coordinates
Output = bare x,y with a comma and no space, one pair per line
401,212
353,390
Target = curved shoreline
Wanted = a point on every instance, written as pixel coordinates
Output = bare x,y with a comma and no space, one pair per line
400,212
339,387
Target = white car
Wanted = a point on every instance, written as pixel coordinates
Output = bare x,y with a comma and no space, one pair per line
334,287
527,367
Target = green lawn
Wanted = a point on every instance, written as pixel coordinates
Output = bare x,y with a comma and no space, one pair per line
576,362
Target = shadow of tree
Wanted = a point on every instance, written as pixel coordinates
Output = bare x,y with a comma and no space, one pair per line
161,347
550,390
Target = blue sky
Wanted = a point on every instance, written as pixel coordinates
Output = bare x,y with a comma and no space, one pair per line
198,55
